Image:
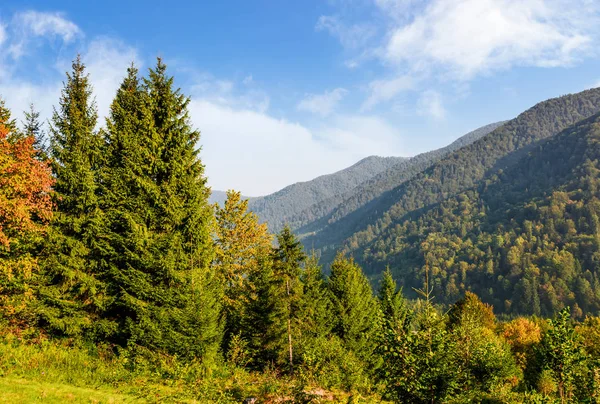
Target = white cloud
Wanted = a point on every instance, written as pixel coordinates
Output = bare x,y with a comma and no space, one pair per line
25,26
399,10
430,104
48,24
385,90
469,37
323,104
228,92
259,154
107,61
352,36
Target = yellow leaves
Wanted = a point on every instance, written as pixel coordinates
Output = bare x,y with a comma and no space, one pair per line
240,243
522,332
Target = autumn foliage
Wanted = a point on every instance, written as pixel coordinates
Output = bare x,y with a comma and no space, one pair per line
25,210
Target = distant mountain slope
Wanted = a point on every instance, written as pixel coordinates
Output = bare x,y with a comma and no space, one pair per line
329,211
450,176
219,197
526,238
280,207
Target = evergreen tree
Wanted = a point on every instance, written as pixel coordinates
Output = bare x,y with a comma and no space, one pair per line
74,296
354,307
264,325
316,309
392,303
287,259
33,127
164,294
560,352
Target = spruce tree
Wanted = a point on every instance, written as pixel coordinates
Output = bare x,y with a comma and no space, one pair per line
392,303
288,257
164,295
354,306
33,127
74,296
316,307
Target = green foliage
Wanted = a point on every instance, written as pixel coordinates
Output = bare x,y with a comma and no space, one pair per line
560,353
74,296
507,217
354,307
164,294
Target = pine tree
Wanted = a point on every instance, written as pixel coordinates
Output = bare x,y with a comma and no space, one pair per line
264,325
164,294
74,295
392,303
33,127
316,308
355,308
287,259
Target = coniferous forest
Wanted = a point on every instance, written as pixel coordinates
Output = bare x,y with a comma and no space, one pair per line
475,278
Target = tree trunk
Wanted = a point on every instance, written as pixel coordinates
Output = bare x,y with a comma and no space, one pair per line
289,328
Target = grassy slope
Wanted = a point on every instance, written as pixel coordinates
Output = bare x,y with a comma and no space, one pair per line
52,372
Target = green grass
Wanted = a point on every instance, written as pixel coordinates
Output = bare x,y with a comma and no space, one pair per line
16,390
43,371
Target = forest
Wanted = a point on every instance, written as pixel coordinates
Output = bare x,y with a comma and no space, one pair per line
121,282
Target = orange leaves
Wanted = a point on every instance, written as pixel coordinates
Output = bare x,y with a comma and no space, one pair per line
25,183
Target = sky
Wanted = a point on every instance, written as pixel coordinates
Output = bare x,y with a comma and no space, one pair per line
285,91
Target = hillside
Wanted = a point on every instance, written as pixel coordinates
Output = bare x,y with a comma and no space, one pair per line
526,239
329,211
282,206
459,171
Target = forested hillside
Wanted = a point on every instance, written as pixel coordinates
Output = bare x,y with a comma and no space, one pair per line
455,173
329,211
526,239
286,205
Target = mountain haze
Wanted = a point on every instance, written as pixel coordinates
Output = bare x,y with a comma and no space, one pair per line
330,211
283,206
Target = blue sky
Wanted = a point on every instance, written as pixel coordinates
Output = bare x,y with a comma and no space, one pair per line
284,91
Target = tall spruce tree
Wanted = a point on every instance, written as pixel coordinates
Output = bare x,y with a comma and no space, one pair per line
164,295
354,305
288,257
74,296
316,308
392,303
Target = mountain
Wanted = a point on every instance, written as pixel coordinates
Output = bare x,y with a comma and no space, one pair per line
512,216
221,196
283,206
331,210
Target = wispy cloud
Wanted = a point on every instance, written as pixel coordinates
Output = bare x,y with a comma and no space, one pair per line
27,25
385,90
322,104
465,38
430,104
352,36
419,41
